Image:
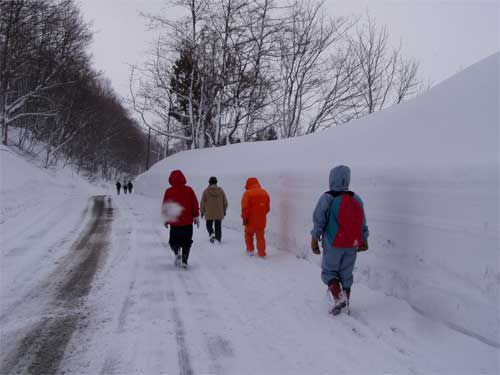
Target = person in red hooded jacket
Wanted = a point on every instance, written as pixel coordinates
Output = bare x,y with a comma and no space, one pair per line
254,208
180,210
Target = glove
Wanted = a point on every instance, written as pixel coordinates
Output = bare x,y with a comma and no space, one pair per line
245,222
315,246
166,225
197,222
364,246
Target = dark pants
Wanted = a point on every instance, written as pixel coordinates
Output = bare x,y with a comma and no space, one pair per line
218,228
181,238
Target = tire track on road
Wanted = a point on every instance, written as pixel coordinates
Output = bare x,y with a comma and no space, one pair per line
138,308
184,357
197,298
41,349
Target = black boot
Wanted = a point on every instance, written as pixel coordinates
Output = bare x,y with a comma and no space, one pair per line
185,256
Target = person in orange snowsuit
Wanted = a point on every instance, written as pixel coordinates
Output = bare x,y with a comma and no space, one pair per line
254,208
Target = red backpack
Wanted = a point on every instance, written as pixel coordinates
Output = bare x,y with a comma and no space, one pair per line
349,220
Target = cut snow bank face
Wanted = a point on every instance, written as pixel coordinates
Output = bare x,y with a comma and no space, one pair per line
428,172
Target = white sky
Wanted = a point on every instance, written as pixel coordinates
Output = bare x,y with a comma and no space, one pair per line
444,35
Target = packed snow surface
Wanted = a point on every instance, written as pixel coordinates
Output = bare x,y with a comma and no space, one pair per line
428,172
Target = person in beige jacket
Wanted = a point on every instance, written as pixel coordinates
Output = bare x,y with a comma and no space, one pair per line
213,207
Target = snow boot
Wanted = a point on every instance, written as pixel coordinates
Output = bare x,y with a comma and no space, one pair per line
336,295
212,238
177,261
184,264
347,293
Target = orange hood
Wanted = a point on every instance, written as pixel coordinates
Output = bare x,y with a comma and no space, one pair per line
252,183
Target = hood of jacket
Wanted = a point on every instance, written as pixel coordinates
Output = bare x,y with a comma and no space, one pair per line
252,183
177,178
340,178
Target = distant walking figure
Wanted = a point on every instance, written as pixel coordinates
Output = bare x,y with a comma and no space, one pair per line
125,187
255,205
130,186
213,207
118,187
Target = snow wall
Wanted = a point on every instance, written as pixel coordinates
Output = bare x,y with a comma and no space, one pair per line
428,172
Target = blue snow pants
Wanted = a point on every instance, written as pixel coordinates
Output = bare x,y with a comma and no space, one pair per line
338,263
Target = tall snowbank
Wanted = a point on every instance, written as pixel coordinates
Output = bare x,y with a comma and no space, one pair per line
28,191
428,171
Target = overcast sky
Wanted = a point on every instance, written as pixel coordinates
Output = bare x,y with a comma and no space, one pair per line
444,35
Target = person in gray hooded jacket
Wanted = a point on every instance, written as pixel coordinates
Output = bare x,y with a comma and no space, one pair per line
340,223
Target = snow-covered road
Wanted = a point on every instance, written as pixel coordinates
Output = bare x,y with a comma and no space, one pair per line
103,296
45,279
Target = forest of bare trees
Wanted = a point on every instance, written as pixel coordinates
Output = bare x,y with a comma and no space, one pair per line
245,70
52,101
228,71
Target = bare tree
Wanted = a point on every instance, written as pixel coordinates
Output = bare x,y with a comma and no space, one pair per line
154,88
39,41
307,36
50,93
264,30
245,70
217,81
337,99
384,77
407,82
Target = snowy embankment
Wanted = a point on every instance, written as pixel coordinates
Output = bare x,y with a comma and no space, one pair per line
41,211
31,193
428,171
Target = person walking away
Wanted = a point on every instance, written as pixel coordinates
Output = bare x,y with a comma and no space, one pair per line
340,223
255,205
118,187
213,207
130,186
180,210
125,187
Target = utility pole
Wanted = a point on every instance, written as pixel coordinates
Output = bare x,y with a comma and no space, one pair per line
149,142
